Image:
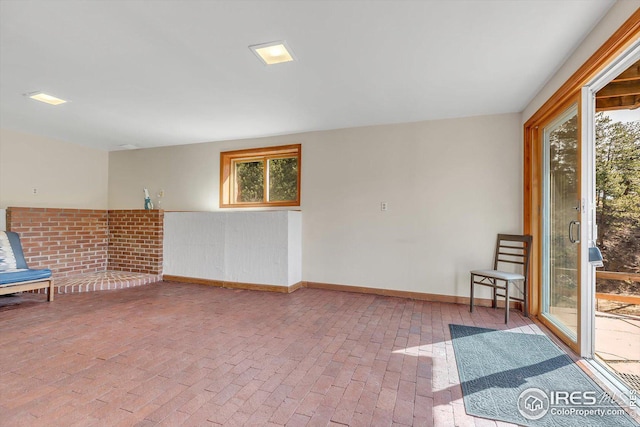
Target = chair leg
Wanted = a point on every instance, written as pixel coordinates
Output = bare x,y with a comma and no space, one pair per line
471,299
52,291
526,300
494,304
506,303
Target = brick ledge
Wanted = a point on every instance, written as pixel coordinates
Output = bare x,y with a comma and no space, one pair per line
102,281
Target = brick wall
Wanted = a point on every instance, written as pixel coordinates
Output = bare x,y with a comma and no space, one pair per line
76,241
135,240
67,241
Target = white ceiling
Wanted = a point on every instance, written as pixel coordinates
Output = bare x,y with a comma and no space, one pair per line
154,73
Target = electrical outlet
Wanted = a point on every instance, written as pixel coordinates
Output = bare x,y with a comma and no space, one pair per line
35,191
384,206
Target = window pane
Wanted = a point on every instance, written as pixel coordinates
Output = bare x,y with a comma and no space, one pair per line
561,212
283,179
249,182
247,177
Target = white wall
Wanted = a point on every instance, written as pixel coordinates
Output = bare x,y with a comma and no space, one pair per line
294,237
188,174
3,219
65,175
451,185
615,17
246,247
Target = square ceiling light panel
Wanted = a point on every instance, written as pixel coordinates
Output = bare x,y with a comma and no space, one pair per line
46,98
273,53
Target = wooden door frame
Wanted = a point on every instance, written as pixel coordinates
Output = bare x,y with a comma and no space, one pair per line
564,97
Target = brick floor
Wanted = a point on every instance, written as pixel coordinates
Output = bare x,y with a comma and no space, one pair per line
174,354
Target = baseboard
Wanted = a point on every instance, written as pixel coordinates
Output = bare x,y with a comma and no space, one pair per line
421,296
296,286
234,285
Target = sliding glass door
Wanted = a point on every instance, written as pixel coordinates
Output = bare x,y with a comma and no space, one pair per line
561,228
560,187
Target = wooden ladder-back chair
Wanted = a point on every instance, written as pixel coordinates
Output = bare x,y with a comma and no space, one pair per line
510,249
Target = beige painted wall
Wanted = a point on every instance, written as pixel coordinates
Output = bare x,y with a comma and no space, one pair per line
65,175
451,185
617,15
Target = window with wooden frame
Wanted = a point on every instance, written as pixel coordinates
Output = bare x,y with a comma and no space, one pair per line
260,177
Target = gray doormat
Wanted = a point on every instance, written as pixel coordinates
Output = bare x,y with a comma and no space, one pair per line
526,379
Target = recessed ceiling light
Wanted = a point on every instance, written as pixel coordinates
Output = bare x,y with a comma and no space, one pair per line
129,146
43,97
273,53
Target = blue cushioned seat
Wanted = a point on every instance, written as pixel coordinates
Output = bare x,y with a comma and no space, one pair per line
15,274
24,276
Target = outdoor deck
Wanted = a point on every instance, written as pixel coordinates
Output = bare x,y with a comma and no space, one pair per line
617,330
617,344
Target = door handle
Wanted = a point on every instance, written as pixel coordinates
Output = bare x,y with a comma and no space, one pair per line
573,239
